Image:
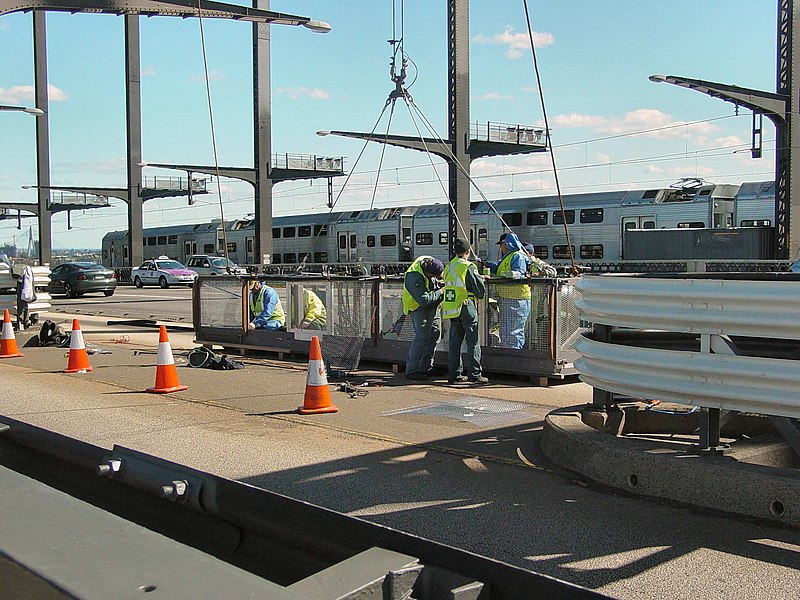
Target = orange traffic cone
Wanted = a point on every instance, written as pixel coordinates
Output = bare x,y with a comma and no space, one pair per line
166,374
318,395
78,359
8,344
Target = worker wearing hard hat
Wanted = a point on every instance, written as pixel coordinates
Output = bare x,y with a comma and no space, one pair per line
421,298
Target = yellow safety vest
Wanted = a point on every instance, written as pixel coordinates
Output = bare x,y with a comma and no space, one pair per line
313,308
516,291
455,287
409,304
257,306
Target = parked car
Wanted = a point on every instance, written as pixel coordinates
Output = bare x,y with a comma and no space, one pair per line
78,278
795,268
213,265
162,271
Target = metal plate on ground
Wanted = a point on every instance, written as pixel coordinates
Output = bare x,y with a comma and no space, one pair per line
482,412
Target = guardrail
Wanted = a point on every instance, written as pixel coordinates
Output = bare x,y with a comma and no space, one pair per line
738,339
365,320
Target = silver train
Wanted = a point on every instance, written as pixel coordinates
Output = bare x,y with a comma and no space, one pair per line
597,224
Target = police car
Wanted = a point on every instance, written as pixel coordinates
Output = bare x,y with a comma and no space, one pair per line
162,271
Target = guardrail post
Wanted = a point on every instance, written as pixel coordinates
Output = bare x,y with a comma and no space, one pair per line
709,431
602,399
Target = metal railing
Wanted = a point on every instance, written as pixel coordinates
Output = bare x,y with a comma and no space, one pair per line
507,133
308,162
178,184
730,325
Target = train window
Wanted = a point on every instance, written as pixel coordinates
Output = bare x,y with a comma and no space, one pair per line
276,259
592,251
471,237
370,241
558,220
276,233
304,257
289,258
144,241
151,241
483,234
162,239
304,231
692,225
443,238
353,240
592,215
563,251
406,234
537,218
424,239
320,257
231,246
320,230
173,239
513,219
249,244
125,252
763,223
649,194
649,225
208,248
342,242
388,240
354,214
289,232
541,251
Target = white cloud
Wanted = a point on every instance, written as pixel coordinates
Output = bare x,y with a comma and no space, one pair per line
602,158
296,93
518,43
212,76
149,71
653,122
20,94
495,96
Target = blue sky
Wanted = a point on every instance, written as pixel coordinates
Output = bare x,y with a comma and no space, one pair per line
594,57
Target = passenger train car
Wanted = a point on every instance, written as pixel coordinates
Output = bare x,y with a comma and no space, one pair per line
597,223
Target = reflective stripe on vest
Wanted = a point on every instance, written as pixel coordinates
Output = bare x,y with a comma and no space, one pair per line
515,291
455,287
257,306
409,304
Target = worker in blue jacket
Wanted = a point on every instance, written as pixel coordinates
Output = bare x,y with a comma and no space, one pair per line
513,299
266,310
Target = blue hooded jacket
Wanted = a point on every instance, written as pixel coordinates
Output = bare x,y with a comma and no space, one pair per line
518,261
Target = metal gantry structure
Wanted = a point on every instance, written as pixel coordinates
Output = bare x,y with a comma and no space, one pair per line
780,107
131,10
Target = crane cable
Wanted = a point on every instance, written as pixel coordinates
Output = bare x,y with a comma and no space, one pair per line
213,137
548,140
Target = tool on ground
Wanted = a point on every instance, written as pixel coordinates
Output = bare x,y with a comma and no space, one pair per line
318,395
78,358
166,373
8,343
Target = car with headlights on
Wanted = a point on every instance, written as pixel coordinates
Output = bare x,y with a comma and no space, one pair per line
75,279
164,272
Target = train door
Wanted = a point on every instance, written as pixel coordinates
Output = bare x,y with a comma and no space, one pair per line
249,247
638,222
347,247
405,253
189,249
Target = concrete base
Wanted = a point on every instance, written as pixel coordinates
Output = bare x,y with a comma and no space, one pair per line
647,462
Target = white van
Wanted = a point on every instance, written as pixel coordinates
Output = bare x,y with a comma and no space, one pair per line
212,265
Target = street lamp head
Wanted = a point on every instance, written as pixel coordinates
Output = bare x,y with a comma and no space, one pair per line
323,133
657,78
34,111
317,26
31,111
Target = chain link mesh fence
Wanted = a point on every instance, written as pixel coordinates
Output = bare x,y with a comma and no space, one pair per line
350,324
221,302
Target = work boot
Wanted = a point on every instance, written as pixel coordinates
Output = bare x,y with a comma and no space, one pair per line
478,380
417,376
457,379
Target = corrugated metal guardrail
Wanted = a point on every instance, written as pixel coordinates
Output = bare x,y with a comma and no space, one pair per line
708,306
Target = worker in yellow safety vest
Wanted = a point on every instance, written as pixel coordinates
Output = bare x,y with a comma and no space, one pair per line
421,298
513,299
462,286
314,314
266,310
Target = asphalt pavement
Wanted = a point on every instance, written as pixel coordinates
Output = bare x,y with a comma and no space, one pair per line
460,465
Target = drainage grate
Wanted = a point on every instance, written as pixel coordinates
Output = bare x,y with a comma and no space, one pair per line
482,412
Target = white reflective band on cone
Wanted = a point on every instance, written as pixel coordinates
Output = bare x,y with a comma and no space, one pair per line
316,373
165,354
76,341
8,332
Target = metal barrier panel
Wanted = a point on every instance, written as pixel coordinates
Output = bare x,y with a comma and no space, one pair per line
220,302
392,323
518,314
570,324
350,313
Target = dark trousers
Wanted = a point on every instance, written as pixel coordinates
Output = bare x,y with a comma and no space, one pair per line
464,327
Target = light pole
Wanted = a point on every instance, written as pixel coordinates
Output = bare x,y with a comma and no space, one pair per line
31,111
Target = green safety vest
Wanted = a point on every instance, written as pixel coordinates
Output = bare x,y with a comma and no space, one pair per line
516,291
409,304
455,287
257,305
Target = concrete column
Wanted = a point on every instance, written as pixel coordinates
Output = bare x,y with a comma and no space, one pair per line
42,137
133,113
262,135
